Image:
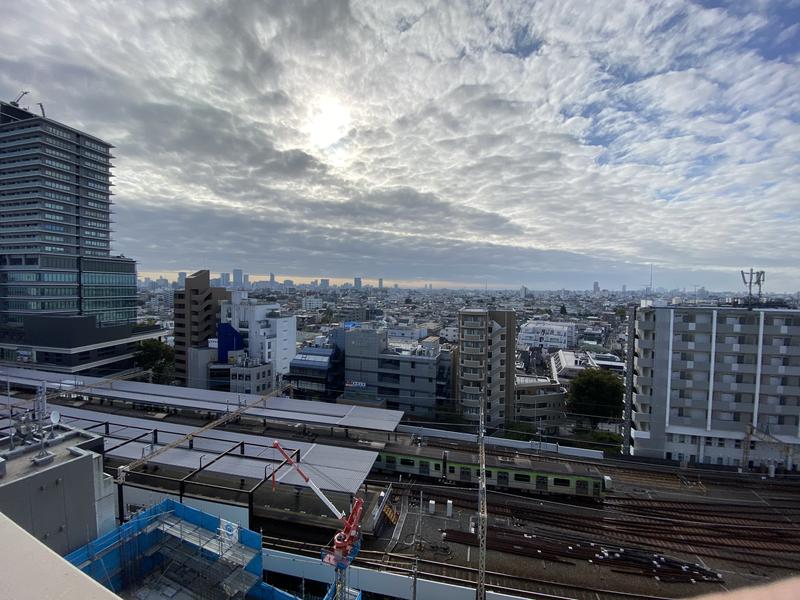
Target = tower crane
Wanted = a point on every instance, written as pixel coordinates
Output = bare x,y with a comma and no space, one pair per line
347,541
15,101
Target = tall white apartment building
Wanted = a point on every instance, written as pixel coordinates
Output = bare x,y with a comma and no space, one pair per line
486,367
267,336
547,334
716,385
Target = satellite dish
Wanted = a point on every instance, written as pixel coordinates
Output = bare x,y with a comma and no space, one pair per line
55,417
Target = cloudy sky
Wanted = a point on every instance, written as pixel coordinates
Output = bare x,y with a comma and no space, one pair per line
549,144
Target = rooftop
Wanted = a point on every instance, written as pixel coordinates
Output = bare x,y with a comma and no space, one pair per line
275,407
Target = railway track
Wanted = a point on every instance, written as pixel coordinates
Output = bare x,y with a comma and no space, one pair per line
526,587
722,531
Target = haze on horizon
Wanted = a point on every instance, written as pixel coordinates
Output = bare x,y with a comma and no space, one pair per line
547,144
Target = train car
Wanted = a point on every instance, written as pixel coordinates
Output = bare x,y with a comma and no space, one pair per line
517,473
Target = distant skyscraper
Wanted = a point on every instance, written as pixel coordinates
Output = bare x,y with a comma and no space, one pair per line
237,277
246,280
380,283
272,278
324,283
181,278
357,282
624,288
225,279
596,287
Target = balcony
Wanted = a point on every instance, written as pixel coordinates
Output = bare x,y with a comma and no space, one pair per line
473,351
472,376
473,338
471,363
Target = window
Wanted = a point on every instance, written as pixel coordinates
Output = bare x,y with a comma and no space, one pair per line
390,460
522,477
408,462
451,469
560,482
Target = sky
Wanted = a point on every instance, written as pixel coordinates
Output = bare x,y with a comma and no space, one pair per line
546,144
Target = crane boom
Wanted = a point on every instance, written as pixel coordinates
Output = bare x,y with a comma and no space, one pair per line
339,514
130,467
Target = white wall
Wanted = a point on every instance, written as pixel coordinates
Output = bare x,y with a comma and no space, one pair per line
360,578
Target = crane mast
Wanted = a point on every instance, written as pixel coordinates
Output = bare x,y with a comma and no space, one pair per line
347,541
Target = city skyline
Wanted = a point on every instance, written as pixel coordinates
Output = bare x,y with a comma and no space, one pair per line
547,145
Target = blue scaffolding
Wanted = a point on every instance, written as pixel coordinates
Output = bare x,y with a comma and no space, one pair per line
173,545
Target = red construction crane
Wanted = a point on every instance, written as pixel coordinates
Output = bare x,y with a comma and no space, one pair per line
347,541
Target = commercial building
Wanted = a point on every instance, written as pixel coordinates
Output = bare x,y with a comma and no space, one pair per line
55,248
317,373
399,376
539,401
196,319
487,364
716,384
267,336
547,335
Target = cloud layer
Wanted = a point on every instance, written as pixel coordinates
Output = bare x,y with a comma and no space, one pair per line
548,144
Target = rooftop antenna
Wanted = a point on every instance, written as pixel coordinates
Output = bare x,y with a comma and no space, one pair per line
15,101
41,108
749,278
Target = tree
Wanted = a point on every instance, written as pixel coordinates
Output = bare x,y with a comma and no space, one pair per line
563,310
157,357
597,394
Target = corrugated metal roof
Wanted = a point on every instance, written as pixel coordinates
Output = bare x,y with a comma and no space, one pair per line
332,468
279,408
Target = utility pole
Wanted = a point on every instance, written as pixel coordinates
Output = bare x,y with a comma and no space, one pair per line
482,510
417,542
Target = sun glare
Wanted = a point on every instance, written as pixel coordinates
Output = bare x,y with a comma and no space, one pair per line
328,122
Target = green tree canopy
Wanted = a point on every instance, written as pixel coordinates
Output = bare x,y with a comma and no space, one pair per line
157,357
596,393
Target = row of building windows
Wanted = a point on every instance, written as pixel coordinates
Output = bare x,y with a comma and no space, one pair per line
58,153
41,304
95,146
95,185
67,135
58,164
108,279
61,176
41,291
108,292
95,243
109,304
58,186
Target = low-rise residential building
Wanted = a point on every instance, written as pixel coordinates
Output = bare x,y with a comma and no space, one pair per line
539,401
547,335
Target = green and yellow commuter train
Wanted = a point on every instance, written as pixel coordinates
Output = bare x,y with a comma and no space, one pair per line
516,472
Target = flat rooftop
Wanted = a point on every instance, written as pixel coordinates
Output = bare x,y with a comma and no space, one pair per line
19,462
275,407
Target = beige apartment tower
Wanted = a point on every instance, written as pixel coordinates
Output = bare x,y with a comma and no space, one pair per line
487,342
196,317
